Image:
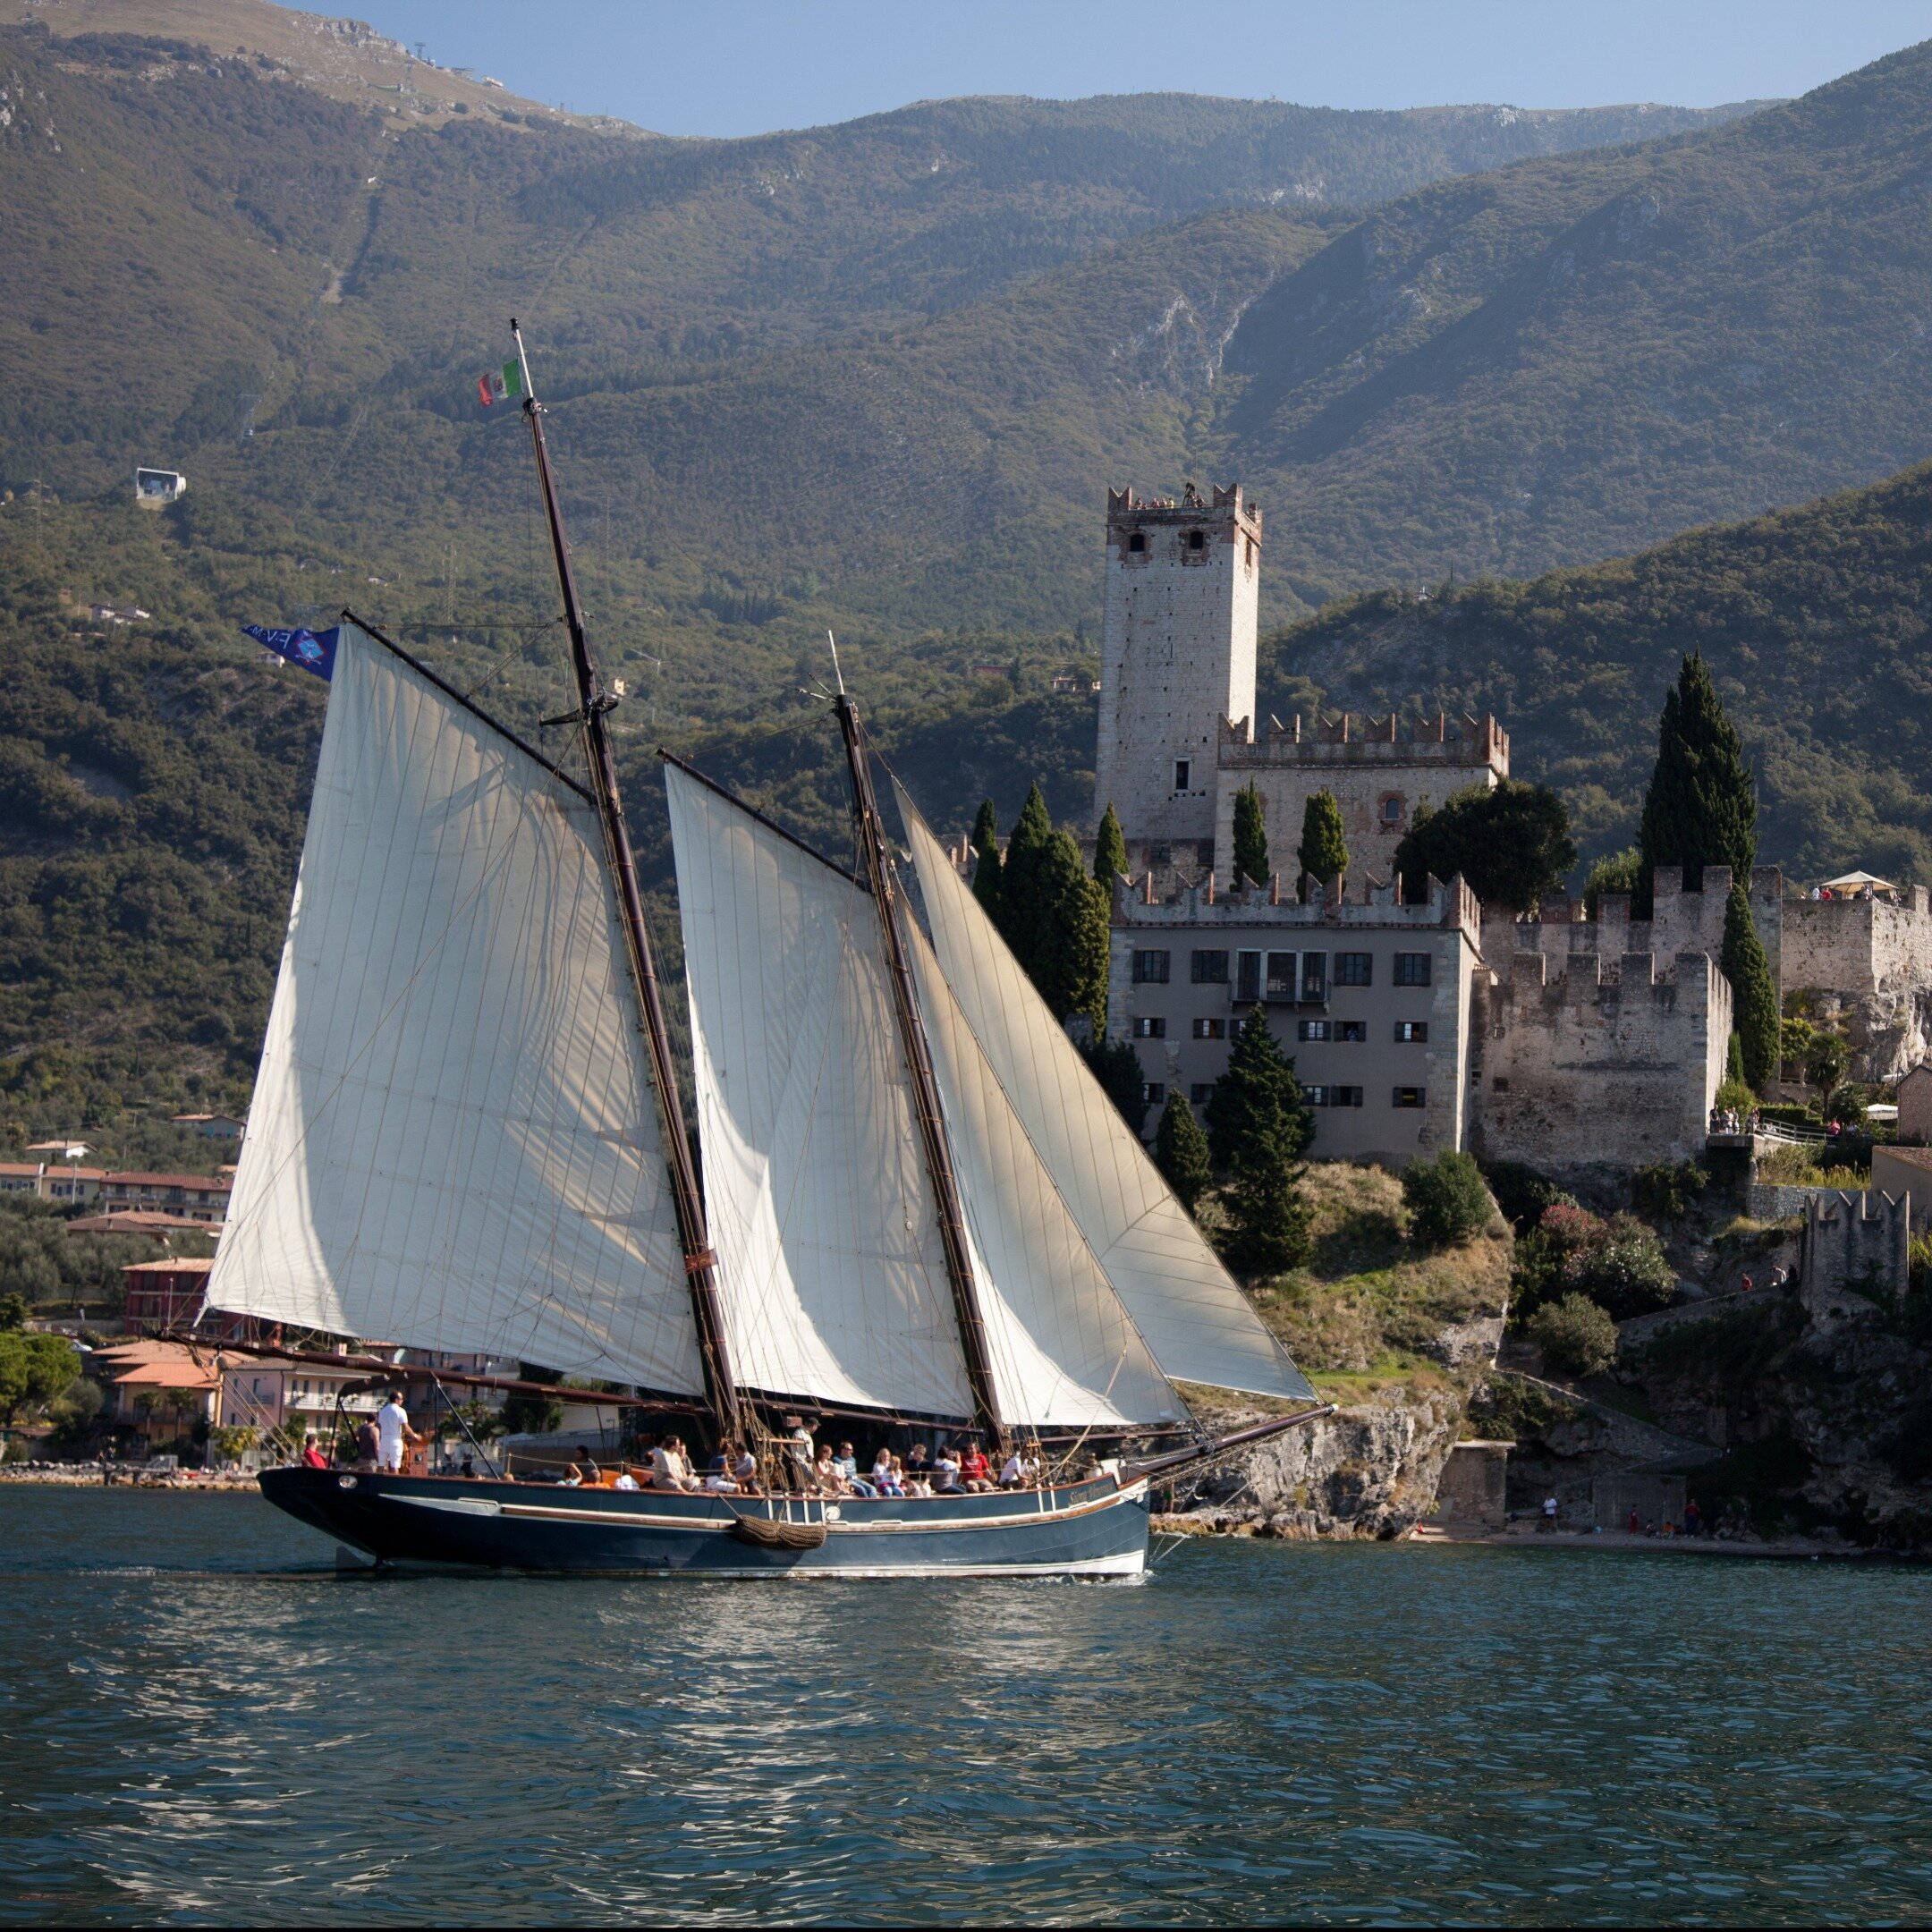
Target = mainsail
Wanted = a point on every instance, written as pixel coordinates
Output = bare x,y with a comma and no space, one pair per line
454,1141
1195,1321
830,1260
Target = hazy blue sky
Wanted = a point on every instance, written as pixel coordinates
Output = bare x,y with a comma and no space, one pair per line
744,66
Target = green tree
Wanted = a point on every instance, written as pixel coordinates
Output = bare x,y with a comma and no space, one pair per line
1110,851
1181,1151
1734,1060
1117,1067
1323,853
34,1369
1754,999
1448,1200
1614,872
1255,1094
1069,962
12,1311
1251,835
1574,1334
1701,806
1019,891
1825,1063
985,879
1259,1127
1510,843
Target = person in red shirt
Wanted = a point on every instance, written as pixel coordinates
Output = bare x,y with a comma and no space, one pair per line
976,1473
311,1455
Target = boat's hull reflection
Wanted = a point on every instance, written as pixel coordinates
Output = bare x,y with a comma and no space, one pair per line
1098,1528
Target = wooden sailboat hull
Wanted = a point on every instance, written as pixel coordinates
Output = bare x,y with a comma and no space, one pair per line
1098,1528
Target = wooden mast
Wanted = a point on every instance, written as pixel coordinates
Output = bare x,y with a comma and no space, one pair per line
701,1261
871,840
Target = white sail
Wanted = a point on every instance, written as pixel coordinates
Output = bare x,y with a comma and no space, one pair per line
830,1262
1195,1319
454,1141
1064,1349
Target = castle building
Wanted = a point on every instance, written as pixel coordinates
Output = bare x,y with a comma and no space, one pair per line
1177,737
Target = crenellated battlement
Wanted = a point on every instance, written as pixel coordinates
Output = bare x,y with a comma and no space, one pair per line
1127,510
1150,900
1346,738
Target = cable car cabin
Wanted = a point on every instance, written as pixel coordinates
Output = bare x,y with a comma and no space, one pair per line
154,490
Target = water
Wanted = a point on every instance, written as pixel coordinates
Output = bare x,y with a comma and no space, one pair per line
201,1724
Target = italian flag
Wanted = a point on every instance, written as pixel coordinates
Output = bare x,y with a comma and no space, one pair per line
500,386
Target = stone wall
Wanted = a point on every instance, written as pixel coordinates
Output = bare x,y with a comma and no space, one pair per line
1474,1489
1856,1247
1589,1064
1379,768
1867,963
1177,656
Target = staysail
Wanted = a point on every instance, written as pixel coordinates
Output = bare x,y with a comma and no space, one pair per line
1064,1350
830,1260
1194,1320
454,1141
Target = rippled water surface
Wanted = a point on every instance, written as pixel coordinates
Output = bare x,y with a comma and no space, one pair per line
201,1724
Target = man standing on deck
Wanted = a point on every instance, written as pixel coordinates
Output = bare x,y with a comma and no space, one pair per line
393,1430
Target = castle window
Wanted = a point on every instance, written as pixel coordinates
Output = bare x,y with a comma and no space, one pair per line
1316,1096
1154,1092
1210,1030
1412,1033
1312,1029
1501,1083
1150,969
1150,1027
1247,976
1281,976
1250,553
1352,1030
1196,541
1392,807
1412,1097
1183,769
1344,1097
1355,969
1314,975
1412,969
1210,967
1201,1092
1137,543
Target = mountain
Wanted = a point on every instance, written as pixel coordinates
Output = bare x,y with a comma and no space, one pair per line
1816,624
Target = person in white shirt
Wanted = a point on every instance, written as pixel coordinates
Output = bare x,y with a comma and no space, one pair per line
626,1480
392,1433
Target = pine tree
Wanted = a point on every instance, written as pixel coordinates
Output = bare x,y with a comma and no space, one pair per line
1251,835
1070,918
1754,1003
1110,853
1258,1095
1701,808
1734,1061
1019,916
986,878
1181,1151
1117,1066
1322,853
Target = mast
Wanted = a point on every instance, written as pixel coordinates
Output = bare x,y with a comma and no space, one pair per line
924,1085
701,1261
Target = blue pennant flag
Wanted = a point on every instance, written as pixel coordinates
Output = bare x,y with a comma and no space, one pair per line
312,651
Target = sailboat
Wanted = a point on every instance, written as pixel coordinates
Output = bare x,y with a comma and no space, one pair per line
917,1211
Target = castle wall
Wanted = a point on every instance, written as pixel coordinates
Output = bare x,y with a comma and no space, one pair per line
1680,922
1177,656
1589,1063
1868,963
1386,1053
1380,769
1856,1247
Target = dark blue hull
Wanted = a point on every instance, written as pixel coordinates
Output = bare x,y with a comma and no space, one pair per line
1098,1528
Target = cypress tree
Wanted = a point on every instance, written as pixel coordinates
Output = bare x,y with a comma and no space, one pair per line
986,878
1701,808
1322,854
1110,853
1018,916
1251,835
1070,926
1257,1096
1754,1008
1181,1151
1734,1061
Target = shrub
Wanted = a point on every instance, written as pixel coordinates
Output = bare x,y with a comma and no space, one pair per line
1665,1189
1618,1263
1575,1333
1522,1193
1736,1096
1446,1199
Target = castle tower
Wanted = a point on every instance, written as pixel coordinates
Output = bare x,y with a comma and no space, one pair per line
1177,656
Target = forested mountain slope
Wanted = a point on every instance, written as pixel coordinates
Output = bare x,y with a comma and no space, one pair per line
1816,624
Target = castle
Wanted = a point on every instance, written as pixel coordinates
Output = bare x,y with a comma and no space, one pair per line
1582,1045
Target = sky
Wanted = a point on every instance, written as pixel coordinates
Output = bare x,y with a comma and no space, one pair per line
731,67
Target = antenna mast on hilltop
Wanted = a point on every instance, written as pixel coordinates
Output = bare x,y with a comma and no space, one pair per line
701,1261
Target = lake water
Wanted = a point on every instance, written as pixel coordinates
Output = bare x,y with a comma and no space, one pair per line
200,1724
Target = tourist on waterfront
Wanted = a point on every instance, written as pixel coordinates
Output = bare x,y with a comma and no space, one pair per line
1693,1518
393,1434
311,1455
1635,1528
1549,1513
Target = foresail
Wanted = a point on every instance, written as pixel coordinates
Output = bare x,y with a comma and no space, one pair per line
454,1141
1064,1350
1194,1319
830,1261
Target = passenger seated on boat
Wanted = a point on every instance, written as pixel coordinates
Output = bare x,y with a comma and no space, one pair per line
574,1478
976,1473
945,1472
592,1473
1021,1468
882,1469
744,1467
311,1455
848,1467
669,1469
624,1480
826,1479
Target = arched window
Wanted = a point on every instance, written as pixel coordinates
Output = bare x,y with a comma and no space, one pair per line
1196,541
1137,543
1392,807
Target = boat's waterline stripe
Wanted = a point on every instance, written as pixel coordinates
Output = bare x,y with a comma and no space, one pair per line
1130,1563
893,1525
